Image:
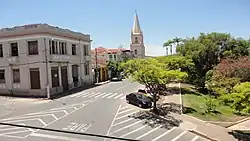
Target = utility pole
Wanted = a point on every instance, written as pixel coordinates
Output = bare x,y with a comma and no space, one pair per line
97,73
181,107
47,67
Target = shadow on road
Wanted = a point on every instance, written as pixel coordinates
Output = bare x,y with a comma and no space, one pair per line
241,136
163,117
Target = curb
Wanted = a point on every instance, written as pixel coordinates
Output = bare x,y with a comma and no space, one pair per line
101,83
202,135
238,122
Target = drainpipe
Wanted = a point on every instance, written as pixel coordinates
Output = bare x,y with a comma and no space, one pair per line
47,67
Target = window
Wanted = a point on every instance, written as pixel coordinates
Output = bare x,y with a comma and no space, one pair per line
136,51
14,49
110,57
56,47
62,48
2,76
1,50
136,40
73,49
86,67
115,57
86,51
16,76
53,49
33,47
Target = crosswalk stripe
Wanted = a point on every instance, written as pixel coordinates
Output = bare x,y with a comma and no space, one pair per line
145,134
79,94
118,96
100,95
155,139
112,95
94,94
123,97
88,94
106,95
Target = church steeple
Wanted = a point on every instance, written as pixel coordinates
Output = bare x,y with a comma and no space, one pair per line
136,27
137,45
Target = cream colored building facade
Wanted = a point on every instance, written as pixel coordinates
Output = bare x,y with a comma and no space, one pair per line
42,60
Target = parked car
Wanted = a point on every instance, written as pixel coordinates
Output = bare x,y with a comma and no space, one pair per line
139,99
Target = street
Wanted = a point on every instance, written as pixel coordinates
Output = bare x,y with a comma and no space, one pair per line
101,110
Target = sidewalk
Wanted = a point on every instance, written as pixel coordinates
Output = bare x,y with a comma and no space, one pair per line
202,128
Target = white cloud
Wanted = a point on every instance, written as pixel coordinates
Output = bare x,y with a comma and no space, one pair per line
156,50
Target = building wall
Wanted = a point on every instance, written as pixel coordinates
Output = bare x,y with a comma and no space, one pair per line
24,62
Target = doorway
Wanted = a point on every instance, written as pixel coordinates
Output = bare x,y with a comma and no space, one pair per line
64,76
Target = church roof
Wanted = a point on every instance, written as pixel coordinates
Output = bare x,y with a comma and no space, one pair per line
136,27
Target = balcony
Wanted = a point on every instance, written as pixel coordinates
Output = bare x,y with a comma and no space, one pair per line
87,58
63,58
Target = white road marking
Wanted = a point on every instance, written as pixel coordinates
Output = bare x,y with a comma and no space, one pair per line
12,128
123,97
122,122
47,112
78,94
106,95
134,131
112,122
13,121
23,117
126,126
125,115
143,135
88,94
177,137
56,137
118,96
155,139
125,107
100,95
195,138
95,94
112,95
125,111
14,132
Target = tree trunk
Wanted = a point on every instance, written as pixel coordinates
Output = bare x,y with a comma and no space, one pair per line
154,100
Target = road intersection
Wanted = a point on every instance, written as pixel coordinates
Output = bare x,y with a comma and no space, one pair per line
101,110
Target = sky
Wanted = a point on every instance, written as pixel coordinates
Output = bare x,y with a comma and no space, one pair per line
109,22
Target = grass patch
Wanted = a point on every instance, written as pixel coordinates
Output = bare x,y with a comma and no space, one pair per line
198,105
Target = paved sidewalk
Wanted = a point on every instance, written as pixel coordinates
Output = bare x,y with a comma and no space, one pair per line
210,130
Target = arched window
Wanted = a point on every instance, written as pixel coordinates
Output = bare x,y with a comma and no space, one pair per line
136,40
136,51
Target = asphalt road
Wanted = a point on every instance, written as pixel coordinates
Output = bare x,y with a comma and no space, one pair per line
100,110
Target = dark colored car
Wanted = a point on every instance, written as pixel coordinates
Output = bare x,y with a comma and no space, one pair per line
138,99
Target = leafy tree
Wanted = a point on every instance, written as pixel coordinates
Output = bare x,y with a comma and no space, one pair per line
207,50
240,97
114,67
151,73
175,62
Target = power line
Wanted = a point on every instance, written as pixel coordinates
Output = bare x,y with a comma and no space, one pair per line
69,132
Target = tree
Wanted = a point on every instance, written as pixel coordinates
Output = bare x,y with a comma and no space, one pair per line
175,62
151,73
240,97
207,50
114,67
170,43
